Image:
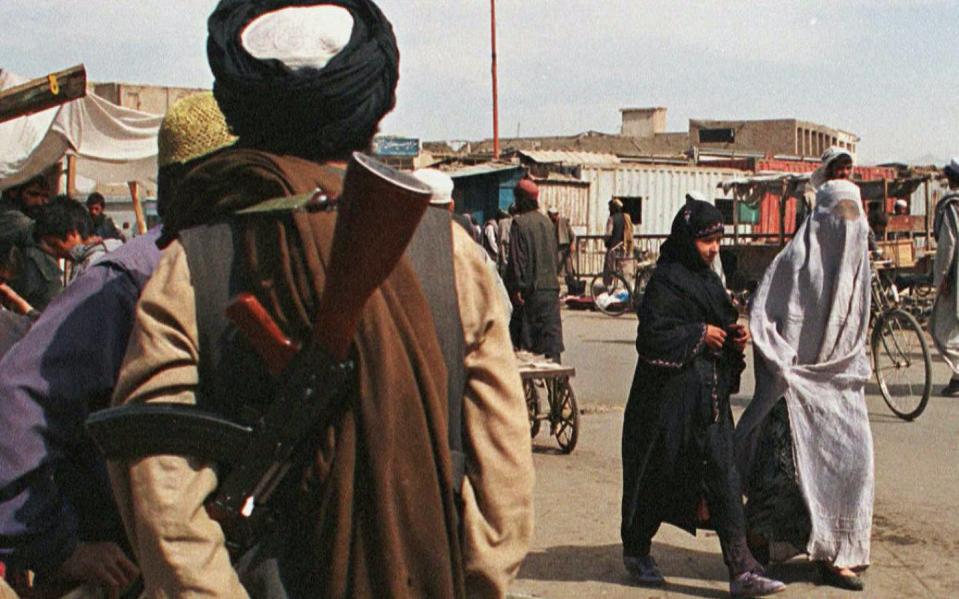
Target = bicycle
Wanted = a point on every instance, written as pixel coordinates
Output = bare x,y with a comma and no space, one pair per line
900,353
611,292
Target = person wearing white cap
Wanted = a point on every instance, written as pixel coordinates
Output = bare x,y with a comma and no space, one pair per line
442,186
565,238
944,324
837,163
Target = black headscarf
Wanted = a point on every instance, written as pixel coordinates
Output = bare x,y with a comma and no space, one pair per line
695,220
311,113
681,265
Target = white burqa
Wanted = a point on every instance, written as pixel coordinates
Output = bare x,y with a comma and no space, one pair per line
944,324
809,321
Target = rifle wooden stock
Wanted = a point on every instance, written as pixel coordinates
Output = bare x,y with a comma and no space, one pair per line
364,253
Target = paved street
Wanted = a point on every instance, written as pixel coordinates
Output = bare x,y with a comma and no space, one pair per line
576,552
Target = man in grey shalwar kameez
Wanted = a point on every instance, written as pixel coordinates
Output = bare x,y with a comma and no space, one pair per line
809,320
944,324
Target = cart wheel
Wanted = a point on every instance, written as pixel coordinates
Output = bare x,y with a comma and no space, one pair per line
532,406
565,416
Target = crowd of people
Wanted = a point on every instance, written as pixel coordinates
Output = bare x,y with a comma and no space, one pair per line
428,494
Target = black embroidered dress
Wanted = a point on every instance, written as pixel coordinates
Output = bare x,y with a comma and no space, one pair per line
678,426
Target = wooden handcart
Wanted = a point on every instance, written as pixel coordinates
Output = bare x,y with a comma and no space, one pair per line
546,380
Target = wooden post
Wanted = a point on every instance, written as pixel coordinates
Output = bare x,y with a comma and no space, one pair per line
137,208
735,218
492,5
885,206
42,93
925,185
71,175
782,215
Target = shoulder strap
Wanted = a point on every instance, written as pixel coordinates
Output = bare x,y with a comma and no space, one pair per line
211,252
431,254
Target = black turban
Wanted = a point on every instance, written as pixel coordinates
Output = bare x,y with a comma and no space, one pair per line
311,113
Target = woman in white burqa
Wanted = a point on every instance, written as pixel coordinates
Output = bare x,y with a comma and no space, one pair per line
804,447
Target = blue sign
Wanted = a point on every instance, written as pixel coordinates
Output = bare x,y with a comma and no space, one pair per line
396,146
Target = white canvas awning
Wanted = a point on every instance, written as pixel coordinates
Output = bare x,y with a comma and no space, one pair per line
112,144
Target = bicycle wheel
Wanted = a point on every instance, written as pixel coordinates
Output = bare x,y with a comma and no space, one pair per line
900,357
564,416
613,298
532,406
642,279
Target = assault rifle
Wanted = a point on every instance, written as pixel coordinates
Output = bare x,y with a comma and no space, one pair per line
311,379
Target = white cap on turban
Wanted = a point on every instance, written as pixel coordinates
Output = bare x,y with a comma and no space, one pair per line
832,154
299,36
439,182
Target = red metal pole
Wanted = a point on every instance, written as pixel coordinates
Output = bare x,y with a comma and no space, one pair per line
495,98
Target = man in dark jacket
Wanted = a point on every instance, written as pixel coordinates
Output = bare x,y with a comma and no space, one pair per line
103,225
531,272
565,238
38,278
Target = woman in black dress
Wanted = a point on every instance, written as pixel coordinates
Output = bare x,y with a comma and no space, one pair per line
678,430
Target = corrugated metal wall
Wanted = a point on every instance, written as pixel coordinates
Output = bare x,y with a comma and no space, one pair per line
663,189
917,201
570,199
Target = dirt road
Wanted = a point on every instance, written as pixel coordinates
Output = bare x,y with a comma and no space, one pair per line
576,552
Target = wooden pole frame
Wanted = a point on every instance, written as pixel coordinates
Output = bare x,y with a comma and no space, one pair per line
782,214
71,175
495,86
43,92
141,223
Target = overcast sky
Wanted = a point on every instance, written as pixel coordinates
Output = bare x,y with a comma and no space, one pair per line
883,69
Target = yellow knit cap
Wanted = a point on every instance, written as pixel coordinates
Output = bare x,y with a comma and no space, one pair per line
193,127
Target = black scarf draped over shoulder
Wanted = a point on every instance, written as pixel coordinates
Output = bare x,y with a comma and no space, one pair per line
684,294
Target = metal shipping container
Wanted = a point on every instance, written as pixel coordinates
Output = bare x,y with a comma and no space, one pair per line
570,198
662,191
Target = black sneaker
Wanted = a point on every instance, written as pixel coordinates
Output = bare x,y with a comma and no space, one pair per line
951,390
644,570
750,584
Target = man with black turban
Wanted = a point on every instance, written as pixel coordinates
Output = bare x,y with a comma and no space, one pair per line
384,503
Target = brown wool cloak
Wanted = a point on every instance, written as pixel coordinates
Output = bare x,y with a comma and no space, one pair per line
379,498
